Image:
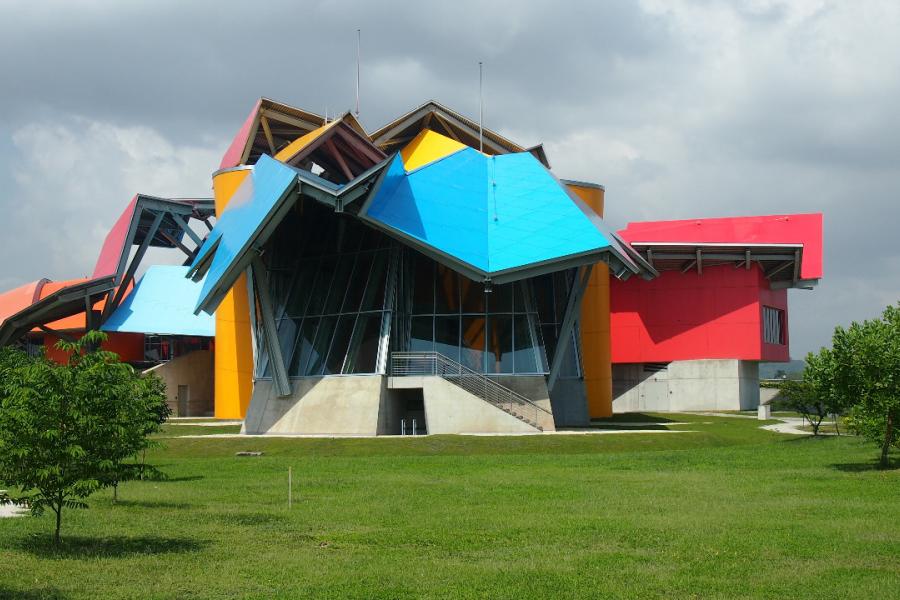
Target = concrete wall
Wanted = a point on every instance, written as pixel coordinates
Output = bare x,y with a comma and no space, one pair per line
346,405
194,370
719,384
450,409
367,405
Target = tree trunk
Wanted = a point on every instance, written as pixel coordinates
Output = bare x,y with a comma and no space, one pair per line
58,521
888,435
115,492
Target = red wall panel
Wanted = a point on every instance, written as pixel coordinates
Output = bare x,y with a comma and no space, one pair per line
689,316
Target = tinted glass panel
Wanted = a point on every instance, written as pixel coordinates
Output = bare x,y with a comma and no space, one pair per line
364,348
321,345
472,295
446,292
358,282
421,334
523,346
500,333
303,348
446,336
473,339
339,344
339,284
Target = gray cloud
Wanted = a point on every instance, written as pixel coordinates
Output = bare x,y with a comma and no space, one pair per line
682,109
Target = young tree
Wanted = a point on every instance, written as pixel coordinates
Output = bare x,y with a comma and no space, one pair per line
813,395
66,430
867,375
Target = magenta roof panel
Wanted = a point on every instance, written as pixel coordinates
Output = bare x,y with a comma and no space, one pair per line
232,156
114,244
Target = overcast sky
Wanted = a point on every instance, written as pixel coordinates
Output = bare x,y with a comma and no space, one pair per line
681,109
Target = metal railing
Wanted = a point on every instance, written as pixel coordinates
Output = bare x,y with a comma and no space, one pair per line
404,364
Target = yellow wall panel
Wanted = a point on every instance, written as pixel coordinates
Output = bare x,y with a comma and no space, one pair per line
595,329
234,348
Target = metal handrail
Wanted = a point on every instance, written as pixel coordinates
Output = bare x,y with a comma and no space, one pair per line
405,364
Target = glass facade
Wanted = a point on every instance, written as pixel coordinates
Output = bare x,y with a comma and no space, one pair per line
551,294
328,280
343,293
489,332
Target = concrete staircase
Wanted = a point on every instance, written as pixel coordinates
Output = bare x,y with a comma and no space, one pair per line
435,364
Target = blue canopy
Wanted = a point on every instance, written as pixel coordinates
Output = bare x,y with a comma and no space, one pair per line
162,302
500,217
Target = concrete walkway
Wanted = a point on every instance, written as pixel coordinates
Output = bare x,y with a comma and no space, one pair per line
340,436
792,425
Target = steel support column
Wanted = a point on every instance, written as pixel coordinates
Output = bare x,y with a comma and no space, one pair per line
270,331
573,308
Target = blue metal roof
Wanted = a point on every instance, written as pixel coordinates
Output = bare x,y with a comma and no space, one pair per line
162,302
496,214
252,213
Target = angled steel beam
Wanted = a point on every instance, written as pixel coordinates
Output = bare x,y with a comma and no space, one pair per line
175,242
780,268
184,226
63,336
270,331
113,301
568,325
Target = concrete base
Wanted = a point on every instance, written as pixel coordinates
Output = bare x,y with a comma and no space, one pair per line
346,405
450,409
189,383
376,405
686,385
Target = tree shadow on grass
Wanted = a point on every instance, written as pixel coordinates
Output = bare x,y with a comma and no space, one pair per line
107,547
153,504
45,594
863,467
634,417
177,479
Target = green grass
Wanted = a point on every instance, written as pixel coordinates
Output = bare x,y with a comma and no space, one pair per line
731,511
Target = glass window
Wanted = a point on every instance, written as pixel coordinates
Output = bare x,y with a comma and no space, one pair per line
473,338
358,282
499,340
304,347
332,318
339,284
472,294
446,292
339,344
374,296
363,352
422,285
446,336
421,336
454,316
523,346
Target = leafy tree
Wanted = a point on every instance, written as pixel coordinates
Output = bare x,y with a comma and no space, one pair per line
867,376
67,430
814,394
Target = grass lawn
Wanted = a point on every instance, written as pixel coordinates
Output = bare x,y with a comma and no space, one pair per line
725,511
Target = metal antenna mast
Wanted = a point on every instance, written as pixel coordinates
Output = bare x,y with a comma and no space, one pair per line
357,71
480,107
